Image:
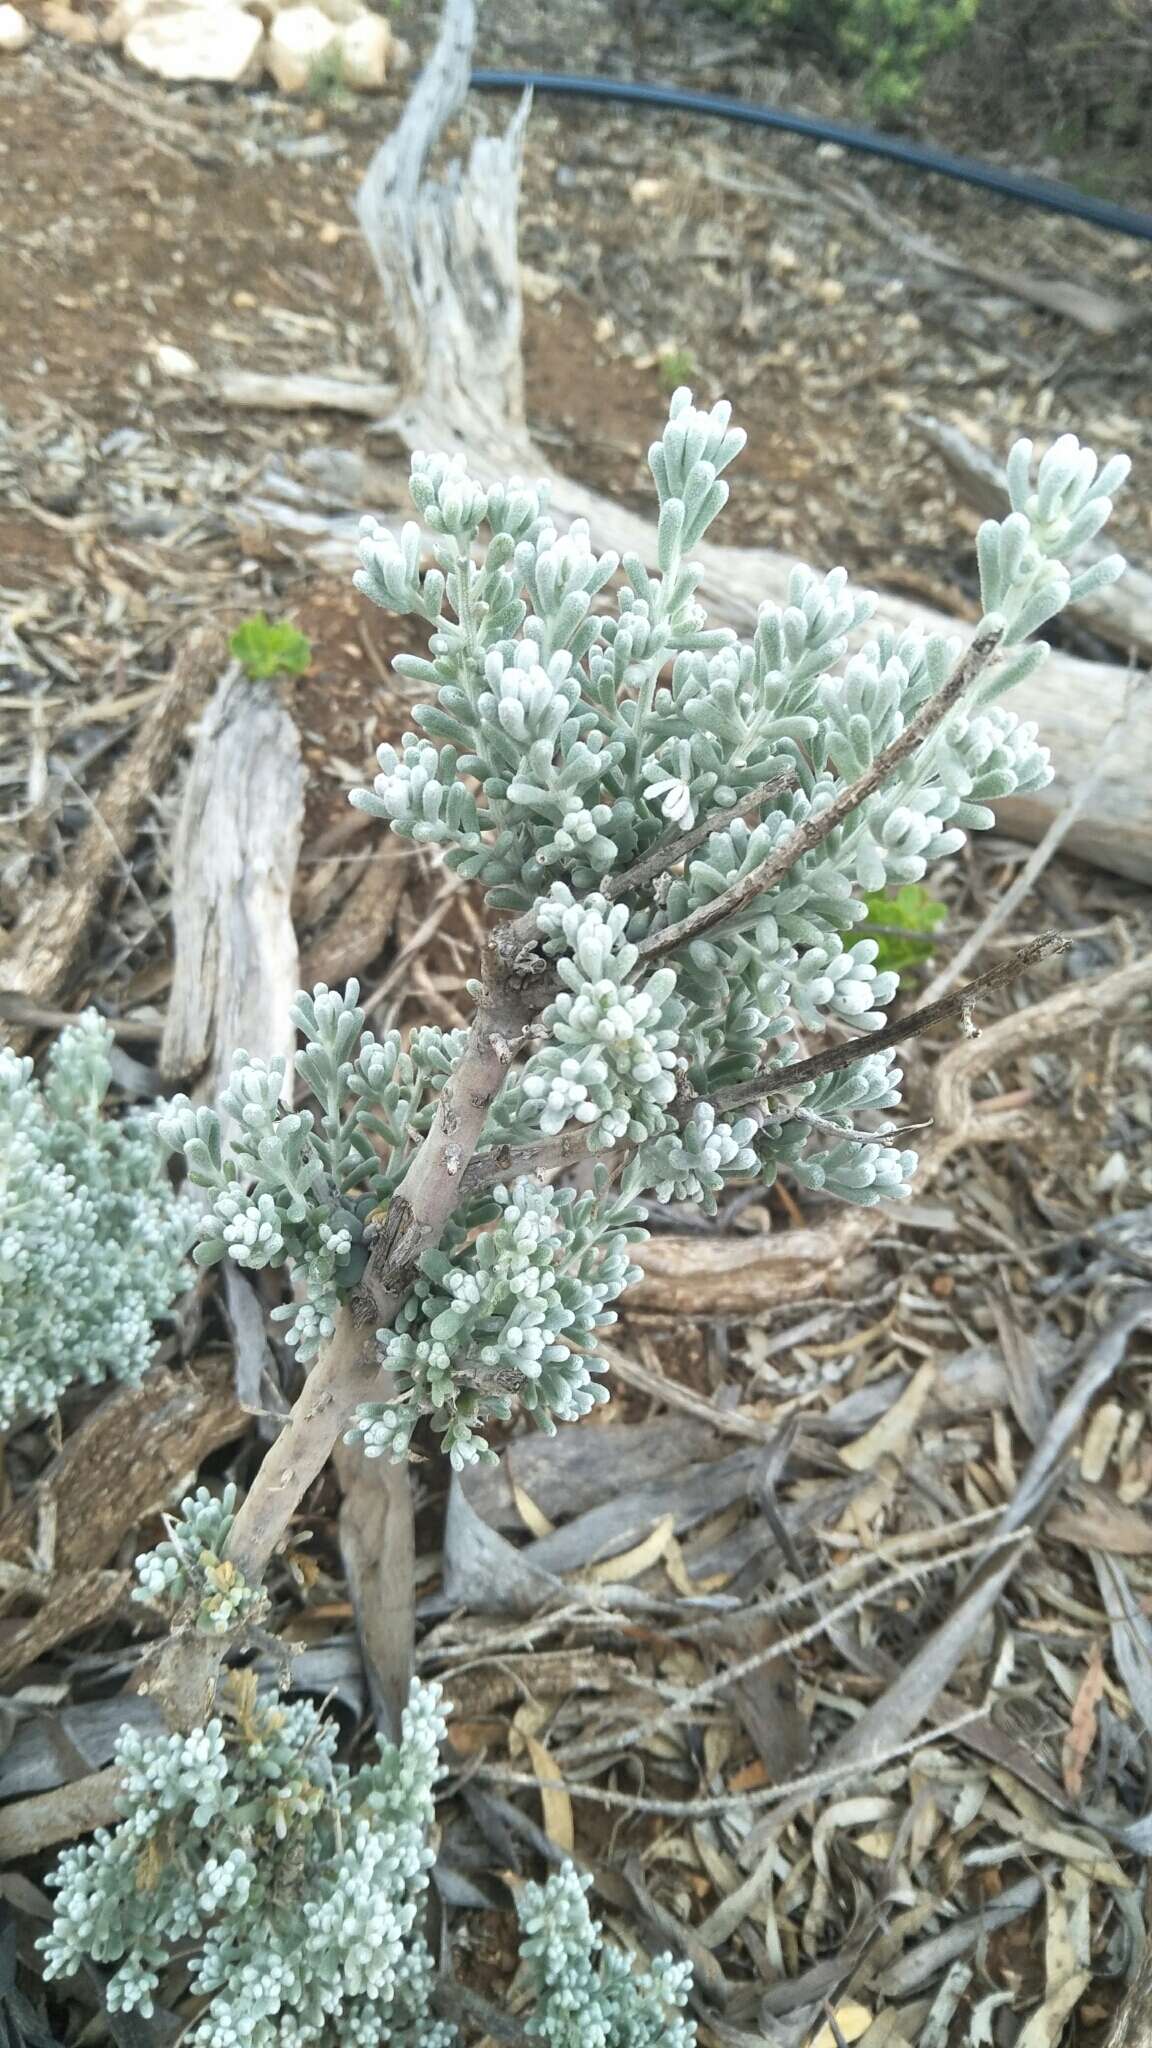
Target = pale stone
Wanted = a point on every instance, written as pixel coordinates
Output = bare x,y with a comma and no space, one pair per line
542,286
59,19
120,18
338,11
219,45
126,13
365,47
15,33
297,40
173,361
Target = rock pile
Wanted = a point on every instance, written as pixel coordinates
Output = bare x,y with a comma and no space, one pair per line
14,30
230,42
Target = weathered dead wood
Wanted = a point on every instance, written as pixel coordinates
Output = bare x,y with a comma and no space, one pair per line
1121,614
364,922
76,1601
125,1461
722,1276
378,1546
45,946
446,253
236,970
304,391
29,1825
1098,312
128,1459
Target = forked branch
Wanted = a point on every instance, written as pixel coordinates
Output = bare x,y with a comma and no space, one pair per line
821,824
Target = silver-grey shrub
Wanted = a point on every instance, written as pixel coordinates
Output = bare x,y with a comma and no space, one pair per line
575,725
92,1236
587,1994
292,1889
564,746
295,1883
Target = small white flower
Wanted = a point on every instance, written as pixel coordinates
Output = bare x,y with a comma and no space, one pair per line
675,800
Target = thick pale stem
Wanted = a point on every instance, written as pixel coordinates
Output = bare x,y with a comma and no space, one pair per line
184,1675
431,1187
345,1374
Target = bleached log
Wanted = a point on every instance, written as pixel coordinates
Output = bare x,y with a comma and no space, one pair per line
128,1459
235,972
304,391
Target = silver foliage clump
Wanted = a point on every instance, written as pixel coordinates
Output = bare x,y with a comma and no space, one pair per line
587,1994
189,1566
298,1188
514,1311
291,1890
578,725
92,1237
294,1884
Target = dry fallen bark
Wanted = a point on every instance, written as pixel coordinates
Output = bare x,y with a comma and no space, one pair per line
378,1547
74,1601
236,970
128,1460
44,949
29,1826
122,1464
363,924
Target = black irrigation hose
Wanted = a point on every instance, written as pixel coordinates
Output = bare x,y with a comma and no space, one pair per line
920,156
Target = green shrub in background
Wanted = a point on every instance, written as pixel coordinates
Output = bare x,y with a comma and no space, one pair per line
886,43
891,41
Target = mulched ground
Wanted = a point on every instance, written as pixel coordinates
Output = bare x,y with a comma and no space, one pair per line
816,1486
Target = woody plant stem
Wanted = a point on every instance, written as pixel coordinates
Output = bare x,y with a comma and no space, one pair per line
183,1676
